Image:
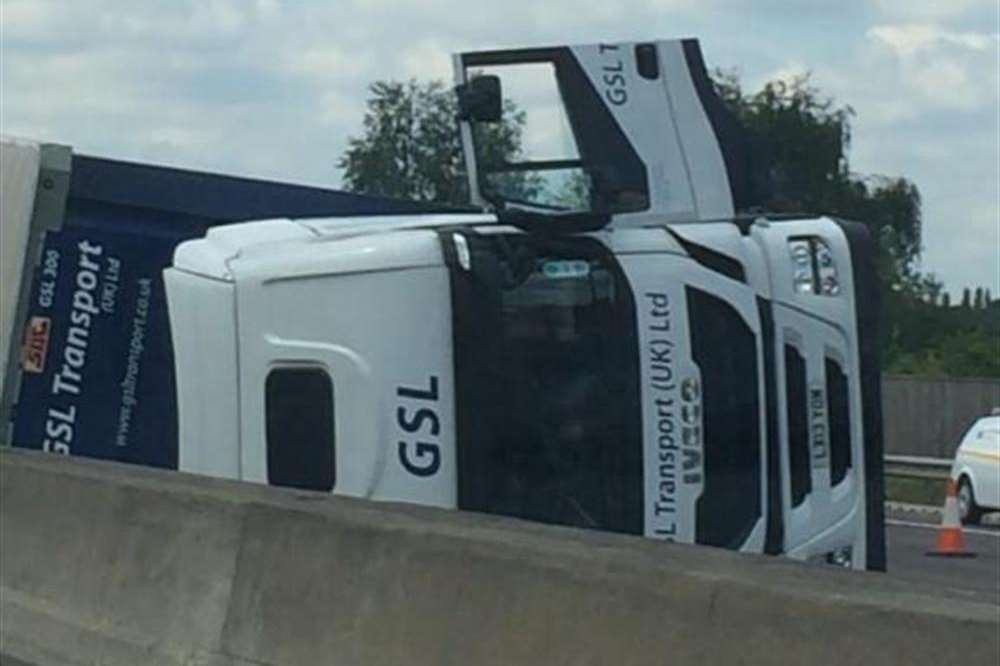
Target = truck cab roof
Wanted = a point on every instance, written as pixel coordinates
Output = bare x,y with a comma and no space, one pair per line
283,242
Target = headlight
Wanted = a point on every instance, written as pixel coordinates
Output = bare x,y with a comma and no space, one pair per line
829,283
814,269
829,286
802,265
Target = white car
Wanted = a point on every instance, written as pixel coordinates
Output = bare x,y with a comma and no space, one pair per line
977,469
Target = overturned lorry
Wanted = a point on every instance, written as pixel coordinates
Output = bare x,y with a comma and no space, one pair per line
610,342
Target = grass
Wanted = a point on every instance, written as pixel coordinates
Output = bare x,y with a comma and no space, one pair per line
914,490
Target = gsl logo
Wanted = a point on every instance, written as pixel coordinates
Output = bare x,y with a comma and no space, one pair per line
423,456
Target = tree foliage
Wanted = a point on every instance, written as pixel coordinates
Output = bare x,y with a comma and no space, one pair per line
942,340
410,147
808,135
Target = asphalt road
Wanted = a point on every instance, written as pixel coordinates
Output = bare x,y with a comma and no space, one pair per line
11,661
977,578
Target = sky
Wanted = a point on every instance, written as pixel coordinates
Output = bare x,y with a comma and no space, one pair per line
275,89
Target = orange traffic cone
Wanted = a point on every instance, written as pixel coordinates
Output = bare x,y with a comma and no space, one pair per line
950,542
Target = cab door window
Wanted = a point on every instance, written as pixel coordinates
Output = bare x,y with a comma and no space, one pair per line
300,428
573,155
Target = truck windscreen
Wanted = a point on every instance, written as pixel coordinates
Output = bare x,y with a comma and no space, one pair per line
546,367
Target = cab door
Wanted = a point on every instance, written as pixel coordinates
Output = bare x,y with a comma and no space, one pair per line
703,401
632,130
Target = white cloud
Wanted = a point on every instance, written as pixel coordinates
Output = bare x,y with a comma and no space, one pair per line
967,255
910,39
426,59
948,83
927,107
26,16
787,73
319,63
948,69
275,89
935,10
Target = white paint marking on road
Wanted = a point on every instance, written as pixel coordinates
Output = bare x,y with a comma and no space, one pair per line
926,526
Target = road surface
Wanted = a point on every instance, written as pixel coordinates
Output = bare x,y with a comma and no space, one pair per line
977,579
11,661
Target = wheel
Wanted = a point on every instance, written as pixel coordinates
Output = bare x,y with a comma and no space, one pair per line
968,511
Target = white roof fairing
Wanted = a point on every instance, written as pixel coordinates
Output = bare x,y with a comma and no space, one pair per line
283,248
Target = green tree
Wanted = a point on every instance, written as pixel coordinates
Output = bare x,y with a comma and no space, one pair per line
808,135
410,147
963,353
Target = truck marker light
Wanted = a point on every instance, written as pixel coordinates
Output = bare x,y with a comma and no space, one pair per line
462,250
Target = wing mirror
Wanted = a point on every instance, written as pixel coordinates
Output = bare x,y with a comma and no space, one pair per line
479,100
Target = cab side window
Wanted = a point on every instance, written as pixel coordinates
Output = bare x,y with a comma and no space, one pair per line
300,428
839,416
725,350
798,425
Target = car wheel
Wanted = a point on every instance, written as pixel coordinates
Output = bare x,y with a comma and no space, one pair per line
968,511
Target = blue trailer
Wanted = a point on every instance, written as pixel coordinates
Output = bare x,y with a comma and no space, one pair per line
89,362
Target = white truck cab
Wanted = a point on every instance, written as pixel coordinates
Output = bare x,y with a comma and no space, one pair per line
610,347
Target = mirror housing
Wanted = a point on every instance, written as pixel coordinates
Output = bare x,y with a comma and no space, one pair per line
480,100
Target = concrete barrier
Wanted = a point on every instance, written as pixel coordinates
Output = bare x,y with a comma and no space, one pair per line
101,563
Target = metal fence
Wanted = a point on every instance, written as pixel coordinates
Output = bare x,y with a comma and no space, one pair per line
927,417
